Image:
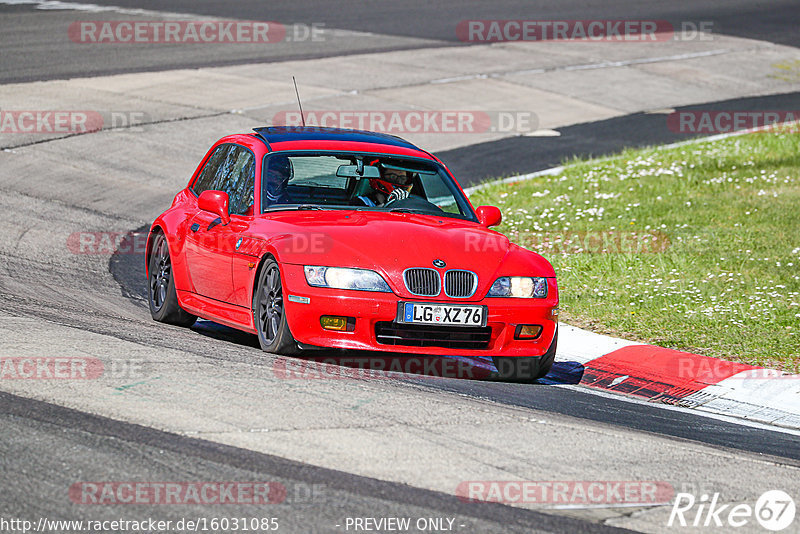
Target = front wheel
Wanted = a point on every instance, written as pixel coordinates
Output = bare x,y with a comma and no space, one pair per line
269,314
526,368
162,297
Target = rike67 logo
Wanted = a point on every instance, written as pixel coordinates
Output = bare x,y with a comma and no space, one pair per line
774,510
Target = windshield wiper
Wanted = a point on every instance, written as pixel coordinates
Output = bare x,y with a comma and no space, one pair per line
409,210
294,207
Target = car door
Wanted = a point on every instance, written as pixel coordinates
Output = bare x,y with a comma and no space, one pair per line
210,244
247,247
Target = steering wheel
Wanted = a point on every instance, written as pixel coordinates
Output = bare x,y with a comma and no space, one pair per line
417,203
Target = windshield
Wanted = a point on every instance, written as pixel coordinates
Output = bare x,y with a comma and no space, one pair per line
334,180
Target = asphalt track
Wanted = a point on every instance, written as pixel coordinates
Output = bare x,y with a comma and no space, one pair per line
316,499
769,22
35,50
545,396
513,156
46,447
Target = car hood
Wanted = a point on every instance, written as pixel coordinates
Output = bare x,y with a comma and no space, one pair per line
392,242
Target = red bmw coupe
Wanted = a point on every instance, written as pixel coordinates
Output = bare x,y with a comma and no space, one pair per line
318,237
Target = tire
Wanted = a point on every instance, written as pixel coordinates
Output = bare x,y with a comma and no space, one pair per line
526,368
161,293
269,314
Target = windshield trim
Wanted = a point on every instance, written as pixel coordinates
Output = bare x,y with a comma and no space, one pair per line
442,171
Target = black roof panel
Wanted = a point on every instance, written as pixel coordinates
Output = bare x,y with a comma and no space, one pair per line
280,134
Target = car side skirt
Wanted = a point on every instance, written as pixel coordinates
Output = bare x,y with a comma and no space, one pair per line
217,311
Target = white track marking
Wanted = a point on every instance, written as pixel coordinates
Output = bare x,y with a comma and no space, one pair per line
54,5
585,66
709,415
582,346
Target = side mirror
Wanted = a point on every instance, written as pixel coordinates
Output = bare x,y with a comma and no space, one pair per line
215,202
489,216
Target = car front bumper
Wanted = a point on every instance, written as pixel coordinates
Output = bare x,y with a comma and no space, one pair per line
370,308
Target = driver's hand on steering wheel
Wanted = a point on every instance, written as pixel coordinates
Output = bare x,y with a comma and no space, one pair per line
398,194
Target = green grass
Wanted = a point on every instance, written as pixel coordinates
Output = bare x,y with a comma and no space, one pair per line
695,248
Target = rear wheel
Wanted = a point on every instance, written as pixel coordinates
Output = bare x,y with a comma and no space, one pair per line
269,314
526,368
161,292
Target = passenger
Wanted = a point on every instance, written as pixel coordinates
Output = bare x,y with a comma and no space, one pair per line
279,172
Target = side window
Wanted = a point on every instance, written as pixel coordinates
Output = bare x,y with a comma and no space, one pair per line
242,183
231,168
209,180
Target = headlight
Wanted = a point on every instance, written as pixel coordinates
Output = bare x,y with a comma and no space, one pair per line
519,286
341,278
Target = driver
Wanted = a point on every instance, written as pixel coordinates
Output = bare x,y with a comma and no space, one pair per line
393,185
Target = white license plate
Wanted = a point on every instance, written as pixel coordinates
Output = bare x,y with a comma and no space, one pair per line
444,314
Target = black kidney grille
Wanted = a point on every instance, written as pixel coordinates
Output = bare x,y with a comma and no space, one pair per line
422,282
460,284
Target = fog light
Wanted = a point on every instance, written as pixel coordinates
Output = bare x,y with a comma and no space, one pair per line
527,331
338,323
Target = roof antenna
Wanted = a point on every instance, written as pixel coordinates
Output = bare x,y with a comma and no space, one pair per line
303,117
